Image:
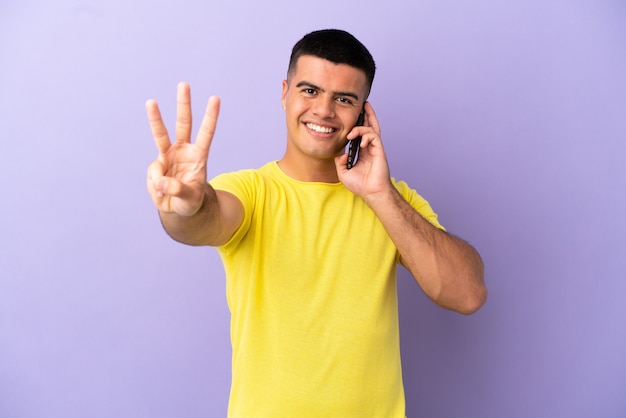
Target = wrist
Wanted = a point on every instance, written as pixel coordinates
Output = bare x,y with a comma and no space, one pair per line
383,196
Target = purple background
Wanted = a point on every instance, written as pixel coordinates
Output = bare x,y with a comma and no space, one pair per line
509,116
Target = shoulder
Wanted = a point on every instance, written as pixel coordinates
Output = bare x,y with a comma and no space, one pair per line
405,190
419,203
250,176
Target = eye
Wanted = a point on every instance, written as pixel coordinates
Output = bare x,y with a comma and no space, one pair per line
344,100
309,90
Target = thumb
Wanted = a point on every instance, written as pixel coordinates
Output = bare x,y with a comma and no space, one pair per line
169,186
179,197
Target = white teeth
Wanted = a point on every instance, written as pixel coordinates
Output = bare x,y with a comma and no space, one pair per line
320,129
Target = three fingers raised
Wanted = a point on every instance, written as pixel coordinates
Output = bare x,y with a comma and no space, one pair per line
183,121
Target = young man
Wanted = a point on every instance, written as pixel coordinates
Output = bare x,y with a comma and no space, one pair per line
309,246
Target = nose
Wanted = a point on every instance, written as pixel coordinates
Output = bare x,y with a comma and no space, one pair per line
324,108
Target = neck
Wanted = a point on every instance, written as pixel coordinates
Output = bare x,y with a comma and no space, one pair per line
312,170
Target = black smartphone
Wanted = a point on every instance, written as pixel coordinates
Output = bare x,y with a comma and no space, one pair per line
355,144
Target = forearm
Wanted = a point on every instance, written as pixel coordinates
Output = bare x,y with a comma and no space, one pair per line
448,269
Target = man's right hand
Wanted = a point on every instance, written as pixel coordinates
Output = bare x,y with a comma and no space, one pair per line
177,179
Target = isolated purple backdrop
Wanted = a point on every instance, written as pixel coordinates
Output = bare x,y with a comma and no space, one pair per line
510,117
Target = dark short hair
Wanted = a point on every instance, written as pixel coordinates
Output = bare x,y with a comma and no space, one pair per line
337,46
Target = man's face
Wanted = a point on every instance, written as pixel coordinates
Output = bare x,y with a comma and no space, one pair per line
322,102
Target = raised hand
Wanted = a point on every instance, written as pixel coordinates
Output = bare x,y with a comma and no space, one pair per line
370,175
177,178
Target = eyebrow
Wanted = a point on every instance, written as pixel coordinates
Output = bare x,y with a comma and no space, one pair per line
336,93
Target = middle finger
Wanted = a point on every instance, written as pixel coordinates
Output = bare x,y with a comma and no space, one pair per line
183,113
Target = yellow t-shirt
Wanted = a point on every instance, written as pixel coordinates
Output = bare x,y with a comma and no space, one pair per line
311,286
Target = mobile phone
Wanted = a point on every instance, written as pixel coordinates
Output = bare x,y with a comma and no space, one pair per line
355,144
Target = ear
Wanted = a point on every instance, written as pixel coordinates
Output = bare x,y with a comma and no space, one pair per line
284,95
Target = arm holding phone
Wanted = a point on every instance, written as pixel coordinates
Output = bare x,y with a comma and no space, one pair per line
447,268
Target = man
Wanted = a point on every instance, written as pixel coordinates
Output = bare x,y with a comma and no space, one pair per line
309,246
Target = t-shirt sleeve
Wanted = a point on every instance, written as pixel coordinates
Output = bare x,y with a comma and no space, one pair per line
241,184
418,203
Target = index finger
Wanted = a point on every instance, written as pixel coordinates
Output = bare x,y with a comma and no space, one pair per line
372,120
209,123
159,131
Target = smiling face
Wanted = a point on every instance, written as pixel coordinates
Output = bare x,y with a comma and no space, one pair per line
322,102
